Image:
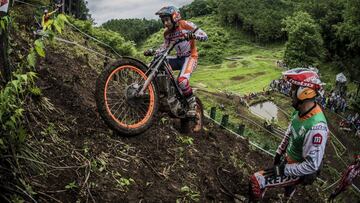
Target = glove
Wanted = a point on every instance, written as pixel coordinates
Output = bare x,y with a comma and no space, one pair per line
149,52
277,170
189,36
277,159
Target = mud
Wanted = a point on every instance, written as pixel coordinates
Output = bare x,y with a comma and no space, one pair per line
159,164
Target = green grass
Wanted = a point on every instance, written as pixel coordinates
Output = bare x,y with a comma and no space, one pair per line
328,74
253,133
255,69
244,76
215,72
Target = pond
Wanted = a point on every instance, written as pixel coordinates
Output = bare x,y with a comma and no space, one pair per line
266,110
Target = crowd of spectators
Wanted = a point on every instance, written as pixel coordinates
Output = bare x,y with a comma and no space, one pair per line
281,86
335,101
351,122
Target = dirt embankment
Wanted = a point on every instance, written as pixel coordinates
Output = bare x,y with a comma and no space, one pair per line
85,161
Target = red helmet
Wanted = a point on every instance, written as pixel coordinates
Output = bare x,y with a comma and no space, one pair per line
171,11
308,81
303,77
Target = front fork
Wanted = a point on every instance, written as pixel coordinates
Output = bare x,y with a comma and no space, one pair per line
147,82
154,73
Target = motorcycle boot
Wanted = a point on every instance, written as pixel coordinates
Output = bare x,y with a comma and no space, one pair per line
192,107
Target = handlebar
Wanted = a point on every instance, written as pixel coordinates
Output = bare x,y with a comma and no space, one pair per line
168,49
172,45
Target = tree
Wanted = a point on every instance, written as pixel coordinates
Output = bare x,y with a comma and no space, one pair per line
77,8
305,44
137,30
198,8
349,33
261,19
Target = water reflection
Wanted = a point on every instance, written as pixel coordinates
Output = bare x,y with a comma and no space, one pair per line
266,110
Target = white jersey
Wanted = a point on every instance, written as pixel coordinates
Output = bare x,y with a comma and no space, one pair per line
304,143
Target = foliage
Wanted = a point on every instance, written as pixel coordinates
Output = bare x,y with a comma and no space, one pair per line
305,45
59,22
12,133
198,8
113,39
185,140
338,23
77,8
211,51
262,19
349,33
4,22
13,96
326,13
121,182
39,47
190,194
137,30
31,58
71,185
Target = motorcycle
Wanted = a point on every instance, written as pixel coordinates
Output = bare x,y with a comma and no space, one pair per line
128,95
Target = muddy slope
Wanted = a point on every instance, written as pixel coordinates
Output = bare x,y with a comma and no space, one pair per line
86,161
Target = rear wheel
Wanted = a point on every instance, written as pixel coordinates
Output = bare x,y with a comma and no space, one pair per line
196,124
118,103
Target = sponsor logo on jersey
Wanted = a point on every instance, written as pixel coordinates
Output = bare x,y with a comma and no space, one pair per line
317,139
275,180
319,127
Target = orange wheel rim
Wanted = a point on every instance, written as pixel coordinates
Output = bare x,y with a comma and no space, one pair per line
149,89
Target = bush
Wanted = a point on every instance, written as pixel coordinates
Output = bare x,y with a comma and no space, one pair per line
305,44
114,39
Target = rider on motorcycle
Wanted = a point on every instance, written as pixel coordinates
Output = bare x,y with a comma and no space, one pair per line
304,142
187,56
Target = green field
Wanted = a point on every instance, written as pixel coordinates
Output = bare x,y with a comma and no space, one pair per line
251,71
249,74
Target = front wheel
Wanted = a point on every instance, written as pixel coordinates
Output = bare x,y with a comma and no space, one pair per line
196,124
117,99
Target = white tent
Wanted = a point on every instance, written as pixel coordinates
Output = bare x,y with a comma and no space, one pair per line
341,78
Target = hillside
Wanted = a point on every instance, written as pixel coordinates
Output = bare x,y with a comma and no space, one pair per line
72,156
82,160
229,59
244,67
